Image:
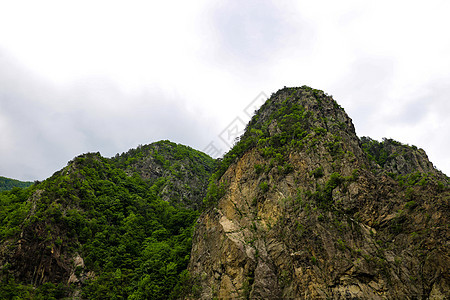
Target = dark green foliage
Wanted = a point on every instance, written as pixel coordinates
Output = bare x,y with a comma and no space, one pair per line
7,184
259,169
10,289
287,168
410,204
392,155
419,179
381,152
441,186
335,146
13,210
318,173
137,245
264,186
215,192
335,180
416,178
181,173
323,196
376,150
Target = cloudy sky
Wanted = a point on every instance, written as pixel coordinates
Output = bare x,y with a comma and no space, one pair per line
83,76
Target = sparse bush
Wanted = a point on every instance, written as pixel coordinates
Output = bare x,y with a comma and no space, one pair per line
410,205
264,186
259,169
318,173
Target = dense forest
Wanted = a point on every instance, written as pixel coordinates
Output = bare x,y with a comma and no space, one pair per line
7,184
99,230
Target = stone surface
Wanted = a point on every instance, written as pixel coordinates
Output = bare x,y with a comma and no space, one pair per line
284,243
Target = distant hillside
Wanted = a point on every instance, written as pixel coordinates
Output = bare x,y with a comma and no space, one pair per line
7,184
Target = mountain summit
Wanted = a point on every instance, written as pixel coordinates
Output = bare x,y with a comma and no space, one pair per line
301,208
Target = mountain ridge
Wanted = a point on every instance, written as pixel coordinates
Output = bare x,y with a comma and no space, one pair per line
300,207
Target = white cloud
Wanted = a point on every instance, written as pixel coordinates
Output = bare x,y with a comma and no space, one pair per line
79,76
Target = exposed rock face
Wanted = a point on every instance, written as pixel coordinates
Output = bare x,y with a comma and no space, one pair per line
38,260
304,215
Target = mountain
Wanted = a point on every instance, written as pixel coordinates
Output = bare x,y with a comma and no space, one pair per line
104,228
7,184
301,208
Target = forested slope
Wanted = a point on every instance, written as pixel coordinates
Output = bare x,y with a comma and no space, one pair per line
7,184
98,229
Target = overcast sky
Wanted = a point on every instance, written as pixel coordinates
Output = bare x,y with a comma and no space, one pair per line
83,76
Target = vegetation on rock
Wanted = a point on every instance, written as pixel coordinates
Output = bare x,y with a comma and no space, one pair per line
101,230
309,210
300,207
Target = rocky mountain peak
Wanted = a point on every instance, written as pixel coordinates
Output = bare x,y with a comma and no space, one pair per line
297,209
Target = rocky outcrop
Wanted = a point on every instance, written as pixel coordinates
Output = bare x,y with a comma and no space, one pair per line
304,215
178,173
394,157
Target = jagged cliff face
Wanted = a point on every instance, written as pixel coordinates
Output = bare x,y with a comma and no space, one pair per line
301,213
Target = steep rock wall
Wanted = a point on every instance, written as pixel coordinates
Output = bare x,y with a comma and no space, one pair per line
324,227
